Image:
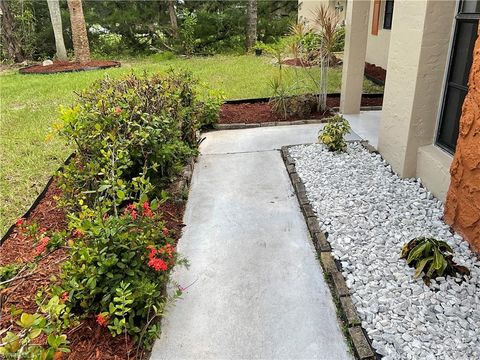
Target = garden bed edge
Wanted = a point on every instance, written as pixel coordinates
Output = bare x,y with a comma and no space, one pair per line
354,332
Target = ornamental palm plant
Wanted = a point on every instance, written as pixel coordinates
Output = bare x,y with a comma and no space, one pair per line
327,24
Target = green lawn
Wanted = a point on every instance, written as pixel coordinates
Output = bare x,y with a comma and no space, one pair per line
29,105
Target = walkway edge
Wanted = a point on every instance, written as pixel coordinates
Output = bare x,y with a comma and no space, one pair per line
347,313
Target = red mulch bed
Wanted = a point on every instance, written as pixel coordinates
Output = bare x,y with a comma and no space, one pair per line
252,113
68,66
375,71
298,62
257,113
88,340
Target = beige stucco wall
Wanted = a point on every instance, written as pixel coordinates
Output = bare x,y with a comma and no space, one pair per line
433,167
419,47
377,45
307,7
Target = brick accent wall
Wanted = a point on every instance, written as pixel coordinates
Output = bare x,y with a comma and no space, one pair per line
462,207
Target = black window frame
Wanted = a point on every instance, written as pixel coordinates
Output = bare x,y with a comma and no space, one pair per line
444,123
388,14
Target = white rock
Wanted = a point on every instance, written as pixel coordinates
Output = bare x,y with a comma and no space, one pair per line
47,62
369,214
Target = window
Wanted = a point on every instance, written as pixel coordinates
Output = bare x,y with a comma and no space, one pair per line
387,19
456,85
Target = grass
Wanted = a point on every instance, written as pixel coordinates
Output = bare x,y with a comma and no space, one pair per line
29,105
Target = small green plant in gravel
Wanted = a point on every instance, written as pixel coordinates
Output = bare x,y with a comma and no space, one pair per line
432,257
333,133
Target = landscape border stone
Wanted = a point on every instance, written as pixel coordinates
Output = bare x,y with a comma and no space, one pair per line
356,336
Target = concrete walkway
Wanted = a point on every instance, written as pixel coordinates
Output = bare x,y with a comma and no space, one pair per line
257,290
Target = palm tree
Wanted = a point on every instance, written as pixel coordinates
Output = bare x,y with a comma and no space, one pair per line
56,18
79,31
251,24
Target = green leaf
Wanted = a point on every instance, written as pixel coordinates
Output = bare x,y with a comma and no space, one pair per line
421,265
26,320
416,252
438,259
34,333
120,195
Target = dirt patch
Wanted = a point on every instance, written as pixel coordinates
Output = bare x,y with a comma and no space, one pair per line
261,112
68,66
88,340
375,72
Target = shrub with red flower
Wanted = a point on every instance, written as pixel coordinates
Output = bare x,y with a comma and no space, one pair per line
102,319
146,210
132,211
42,245
64,296
20,222
165,231
160,259
78,233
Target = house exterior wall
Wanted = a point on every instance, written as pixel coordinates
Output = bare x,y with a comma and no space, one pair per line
377,45
307,7
462,207
419,47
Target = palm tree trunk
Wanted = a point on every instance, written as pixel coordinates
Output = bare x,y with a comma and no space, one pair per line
79,31
173,17
251,24
56,18
9,39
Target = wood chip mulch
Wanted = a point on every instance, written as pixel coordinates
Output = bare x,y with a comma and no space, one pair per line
68,66
261,112
88,340
375,71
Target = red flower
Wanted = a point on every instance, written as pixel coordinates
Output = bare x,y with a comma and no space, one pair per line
102,320
134,214
64,296
42,245
78,233
130,209
157,264
20,222
118,110
165,231
146,210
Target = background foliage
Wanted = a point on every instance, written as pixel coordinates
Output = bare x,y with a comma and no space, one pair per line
131,27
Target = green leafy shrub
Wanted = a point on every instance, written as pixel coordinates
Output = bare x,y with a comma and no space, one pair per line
50,321
333,133
432,257
132,135
119,268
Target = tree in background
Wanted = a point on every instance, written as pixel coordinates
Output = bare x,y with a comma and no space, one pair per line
251,35
56,18
173,18
9,38
79,31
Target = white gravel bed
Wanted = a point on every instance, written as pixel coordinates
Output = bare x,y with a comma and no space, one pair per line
369,213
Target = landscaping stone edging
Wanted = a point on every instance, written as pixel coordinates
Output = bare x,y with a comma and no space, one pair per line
355,334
